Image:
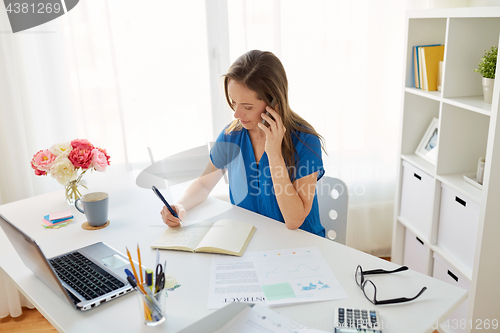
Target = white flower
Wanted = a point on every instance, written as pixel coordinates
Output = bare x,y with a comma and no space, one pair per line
63,170
63,149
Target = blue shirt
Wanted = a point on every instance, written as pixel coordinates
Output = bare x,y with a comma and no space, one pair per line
250,183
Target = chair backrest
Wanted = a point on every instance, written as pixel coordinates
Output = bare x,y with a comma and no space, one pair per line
179,168
333,200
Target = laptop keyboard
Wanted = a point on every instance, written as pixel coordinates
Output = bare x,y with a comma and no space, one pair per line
84,276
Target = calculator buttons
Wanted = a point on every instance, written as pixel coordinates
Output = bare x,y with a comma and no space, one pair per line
359,319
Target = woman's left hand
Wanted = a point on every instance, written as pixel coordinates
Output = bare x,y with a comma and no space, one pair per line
274,133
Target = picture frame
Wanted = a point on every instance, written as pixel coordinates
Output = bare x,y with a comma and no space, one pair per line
428,146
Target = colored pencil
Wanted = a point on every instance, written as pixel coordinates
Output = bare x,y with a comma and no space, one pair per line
140,263
133,270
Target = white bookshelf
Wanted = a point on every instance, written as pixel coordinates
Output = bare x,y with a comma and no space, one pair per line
468,129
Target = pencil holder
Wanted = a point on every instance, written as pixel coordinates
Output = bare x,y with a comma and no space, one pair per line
152,306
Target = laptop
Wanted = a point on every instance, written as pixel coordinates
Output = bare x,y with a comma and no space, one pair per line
85,278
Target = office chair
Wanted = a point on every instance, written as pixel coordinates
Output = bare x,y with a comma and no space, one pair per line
333,200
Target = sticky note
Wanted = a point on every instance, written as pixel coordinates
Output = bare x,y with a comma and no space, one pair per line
46,217
48,223
278,291
54,226
59,215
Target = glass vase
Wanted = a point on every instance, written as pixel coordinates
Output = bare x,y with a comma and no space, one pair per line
75,189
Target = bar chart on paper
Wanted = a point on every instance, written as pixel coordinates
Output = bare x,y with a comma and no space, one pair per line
295,275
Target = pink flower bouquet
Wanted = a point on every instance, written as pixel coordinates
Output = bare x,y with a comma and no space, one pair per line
63,161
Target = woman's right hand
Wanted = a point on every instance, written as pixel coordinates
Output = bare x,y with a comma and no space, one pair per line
171,220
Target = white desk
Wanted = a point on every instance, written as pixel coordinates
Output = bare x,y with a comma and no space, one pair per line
135,218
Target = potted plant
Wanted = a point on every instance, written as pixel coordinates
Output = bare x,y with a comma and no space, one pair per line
487,68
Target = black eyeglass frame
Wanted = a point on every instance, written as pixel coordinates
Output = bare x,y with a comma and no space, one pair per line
363,282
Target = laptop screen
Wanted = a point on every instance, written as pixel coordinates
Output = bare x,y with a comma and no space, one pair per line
33,257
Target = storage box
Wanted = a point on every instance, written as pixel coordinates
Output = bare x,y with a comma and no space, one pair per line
416,255
417,196
458,223
457,321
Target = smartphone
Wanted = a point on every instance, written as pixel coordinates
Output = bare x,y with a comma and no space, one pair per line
263,120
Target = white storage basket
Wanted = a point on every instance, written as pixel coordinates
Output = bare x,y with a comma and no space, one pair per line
458,223
417,197
457,321
416,254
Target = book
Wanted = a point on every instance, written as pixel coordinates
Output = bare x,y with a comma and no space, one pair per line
421,68
431,56
224,237
415,67
417,64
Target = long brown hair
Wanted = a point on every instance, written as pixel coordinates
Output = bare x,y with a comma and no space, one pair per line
263,73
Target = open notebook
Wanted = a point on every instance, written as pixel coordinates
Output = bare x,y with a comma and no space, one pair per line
224,236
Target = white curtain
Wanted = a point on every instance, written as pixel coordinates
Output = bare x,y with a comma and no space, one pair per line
125,75
11,301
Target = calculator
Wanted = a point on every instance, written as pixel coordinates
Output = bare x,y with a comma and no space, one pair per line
349,320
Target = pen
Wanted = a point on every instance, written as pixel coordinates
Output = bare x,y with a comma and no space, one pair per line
158,194
129,273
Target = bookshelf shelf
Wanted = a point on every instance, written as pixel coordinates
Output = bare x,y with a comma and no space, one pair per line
453,262
473,103
468,129
435,95
413,230
457,182
420,163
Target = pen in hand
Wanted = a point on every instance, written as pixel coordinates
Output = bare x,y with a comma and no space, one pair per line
160,196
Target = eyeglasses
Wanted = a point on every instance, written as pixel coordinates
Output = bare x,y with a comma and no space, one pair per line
370,291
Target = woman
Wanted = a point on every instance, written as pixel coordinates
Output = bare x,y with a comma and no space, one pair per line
273,155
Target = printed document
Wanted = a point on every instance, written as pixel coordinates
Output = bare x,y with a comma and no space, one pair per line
277,277
233,279
295,276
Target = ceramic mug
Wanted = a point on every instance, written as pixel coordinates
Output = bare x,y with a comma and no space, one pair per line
95,207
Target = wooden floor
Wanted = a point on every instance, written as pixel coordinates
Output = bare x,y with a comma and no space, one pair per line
31,321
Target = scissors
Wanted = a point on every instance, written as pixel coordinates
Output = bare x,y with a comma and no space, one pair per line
160,278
